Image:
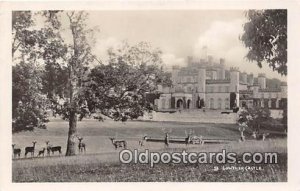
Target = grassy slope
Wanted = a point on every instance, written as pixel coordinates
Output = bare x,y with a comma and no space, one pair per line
101,162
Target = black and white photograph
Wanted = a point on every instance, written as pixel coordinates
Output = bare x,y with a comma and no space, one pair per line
149,95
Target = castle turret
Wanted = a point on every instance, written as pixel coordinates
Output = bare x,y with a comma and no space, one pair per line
222,69
234,87
262,81
175,70
201,80
201,83
244,77
234,79
251,79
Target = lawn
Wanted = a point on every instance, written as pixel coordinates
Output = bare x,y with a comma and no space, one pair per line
101,162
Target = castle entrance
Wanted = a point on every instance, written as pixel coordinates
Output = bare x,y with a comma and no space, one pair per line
179,103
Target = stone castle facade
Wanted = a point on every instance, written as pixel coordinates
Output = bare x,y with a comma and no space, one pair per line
210,85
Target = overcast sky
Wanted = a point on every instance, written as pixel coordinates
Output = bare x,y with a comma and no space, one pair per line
178,34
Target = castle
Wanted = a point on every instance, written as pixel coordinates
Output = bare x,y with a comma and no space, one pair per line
206,84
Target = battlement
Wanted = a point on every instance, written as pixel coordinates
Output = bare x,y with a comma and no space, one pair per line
261,75
234,69
283,84
225,81
269,90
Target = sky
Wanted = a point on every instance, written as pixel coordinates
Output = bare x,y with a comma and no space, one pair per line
178,33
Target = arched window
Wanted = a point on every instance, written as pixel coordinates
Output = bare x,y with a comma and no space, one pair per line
179,103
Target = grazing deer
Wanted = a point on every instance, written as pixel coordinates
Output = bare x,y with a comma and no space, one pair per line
81,145
42,152
52,149
30,149
118,143
16,151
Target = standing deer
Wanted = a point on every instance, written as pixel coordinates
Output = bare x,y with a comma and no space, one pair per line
258,136
118,143
166,140
52,149
188,137
30,149
81,145
48,148
16,151
42,152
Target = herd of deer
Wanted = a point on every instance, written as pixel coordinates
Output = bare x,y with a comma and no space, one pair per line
49,148
116,143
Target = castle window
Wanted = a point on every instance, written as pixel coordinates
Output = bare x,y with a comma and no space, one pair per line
220,88
219,103
211,103
227,89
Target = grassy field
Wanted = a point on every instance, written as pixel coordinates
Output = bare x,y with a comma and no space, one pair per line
101,162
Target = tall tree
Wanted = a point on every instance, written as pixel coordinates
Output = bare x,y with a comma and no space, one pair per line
28,102
265,35
79,57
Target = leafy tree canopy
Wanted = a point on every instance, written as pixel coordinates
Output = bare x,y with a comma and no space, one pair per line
118,89
265,35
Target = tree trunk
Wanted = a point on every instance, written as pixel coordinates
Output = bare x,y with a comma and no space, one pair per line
73,116
72,134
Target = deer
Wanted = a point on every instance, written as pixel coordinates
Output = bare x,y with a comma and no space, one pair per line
262,136
30,149
118,143
166,140
81,145
42,152
52,149
16,151
141,142
188,140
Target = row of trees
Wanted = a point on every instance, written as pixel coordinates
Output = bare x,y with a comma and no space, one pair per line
48,66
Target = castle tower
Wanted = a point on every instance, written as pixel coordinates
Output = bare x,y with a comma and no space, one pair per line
234,87
222,70
251,79
201,80
201,83
244,77
234,79
175,71
262,81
